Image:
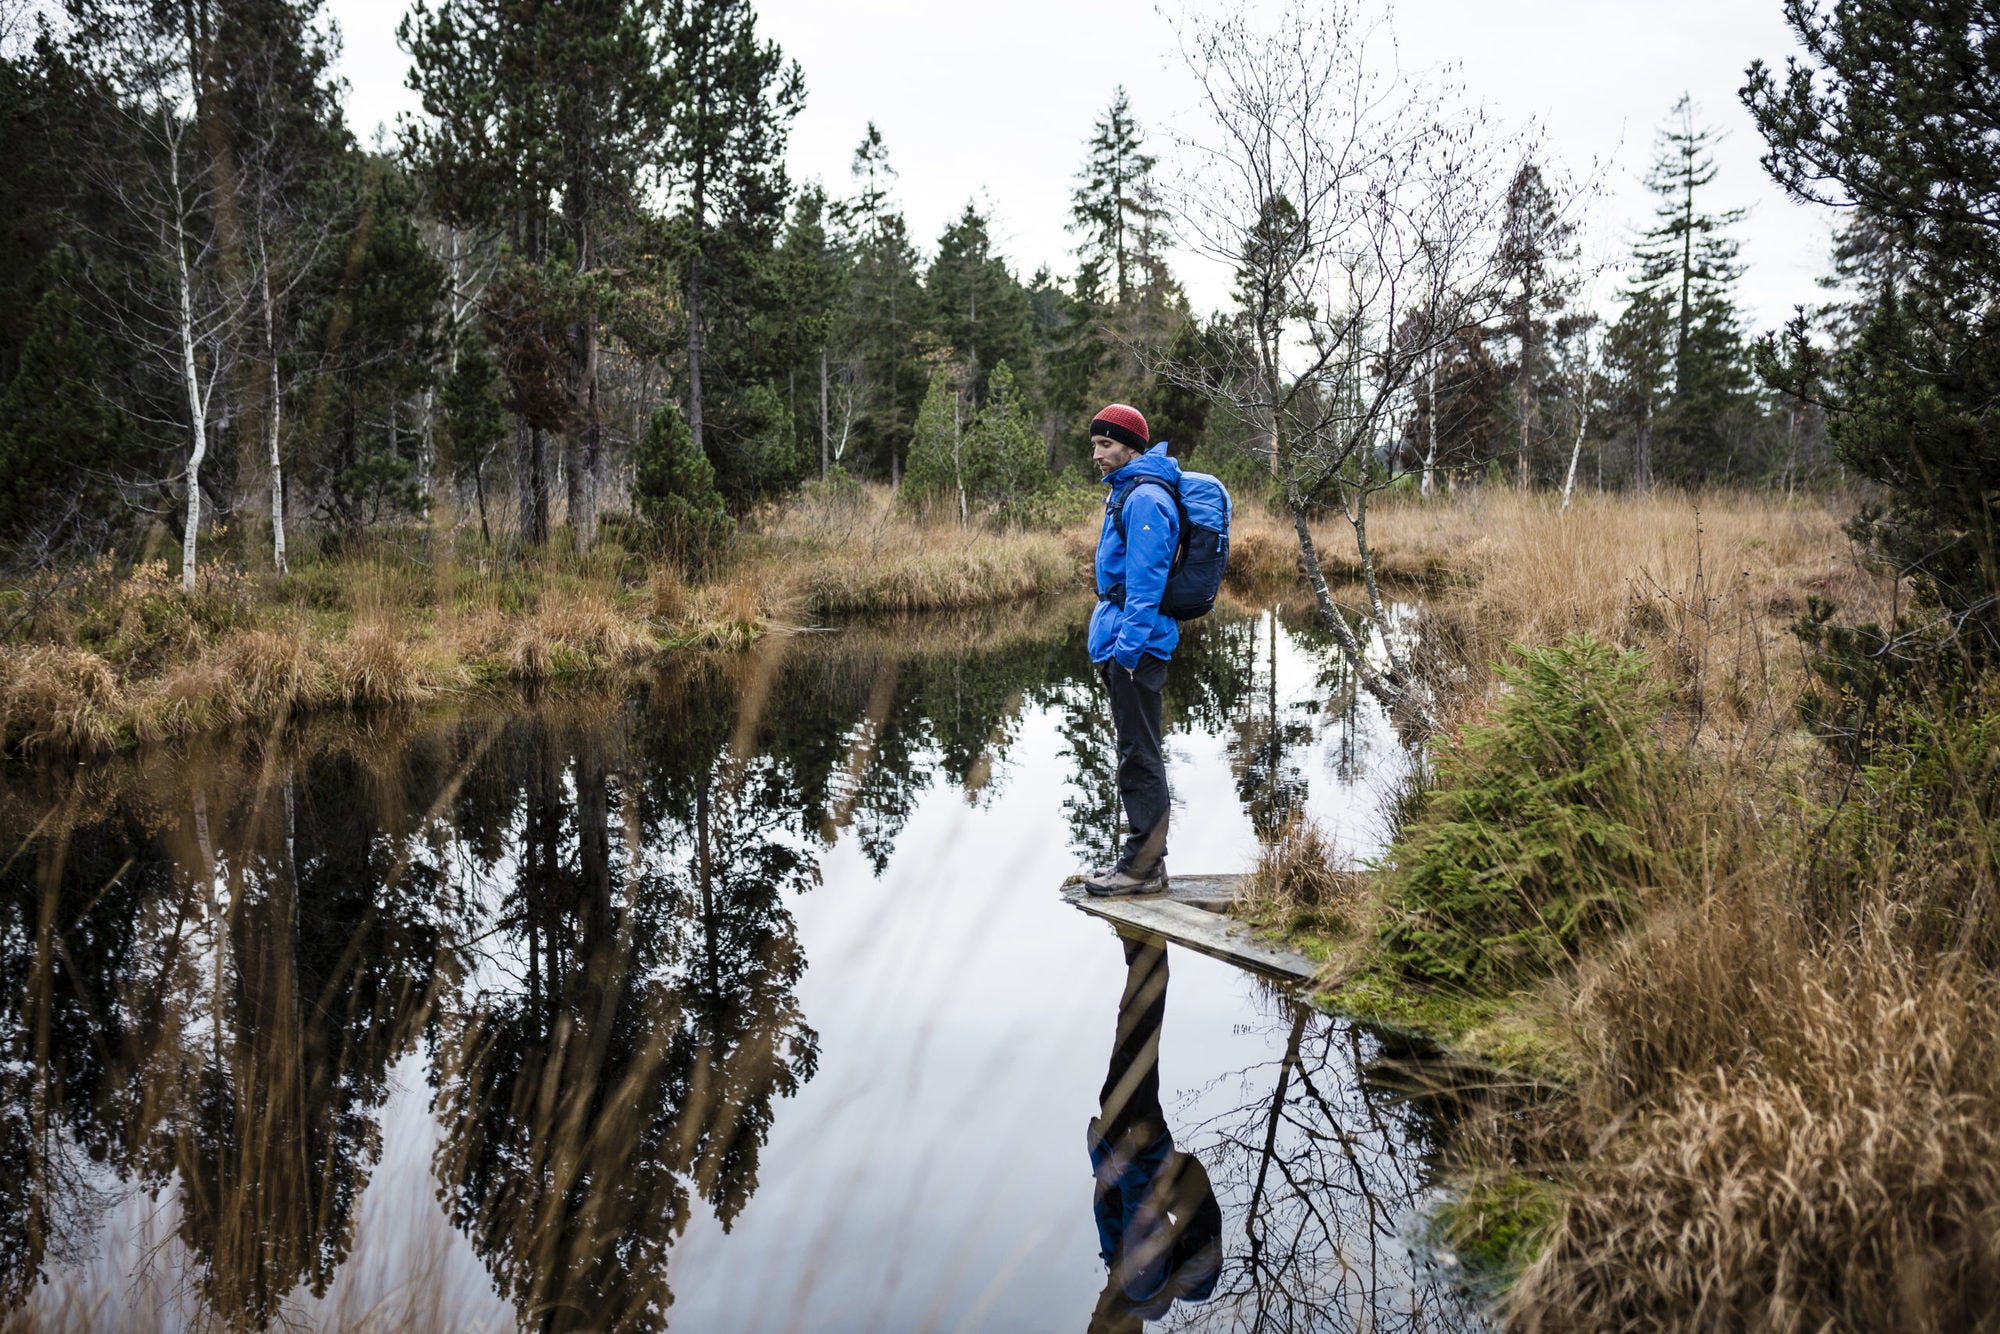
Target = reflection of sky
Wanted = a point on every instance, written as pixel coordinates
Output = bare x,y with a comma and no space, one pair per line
933,1173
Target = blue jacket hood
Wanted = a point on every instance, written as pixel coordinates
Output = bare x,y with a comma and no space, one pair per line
1155,462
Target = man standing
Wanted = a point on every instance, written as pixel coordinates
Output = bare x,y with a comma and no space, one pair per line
1130,637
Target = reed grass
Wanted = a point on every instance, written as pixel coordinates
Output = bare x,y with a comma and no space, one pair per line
1783,1084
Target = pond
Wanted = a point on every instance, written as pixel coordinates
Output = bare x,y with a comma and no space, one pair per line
741,998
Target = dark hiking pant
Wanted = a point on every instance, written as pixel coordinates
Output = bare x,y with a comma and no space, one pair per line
1142,766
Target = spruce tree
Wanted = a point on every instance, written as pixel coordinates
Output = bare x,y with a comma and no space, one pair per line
809,280
936,476
673,488
1888,111
1686,264
981,309
1007,468
1109,203
885,312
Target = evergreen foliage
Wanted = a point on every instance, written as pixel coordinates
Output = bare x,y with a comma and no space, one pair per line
673,489
1886,111
1534,836
1681,311
61,435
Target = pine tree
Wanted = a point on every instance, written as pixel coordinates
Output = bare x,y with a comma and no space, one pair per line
61,438
473,426
732,97
541,121
1537,255
1686,265
1882,112
981,309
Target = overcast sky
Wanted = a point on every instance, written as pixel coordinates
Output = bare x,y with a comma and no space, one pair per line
993,104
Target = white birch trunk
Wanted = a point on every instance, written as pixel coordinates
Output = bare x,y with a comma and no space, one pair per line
191,375
274,421
1576,451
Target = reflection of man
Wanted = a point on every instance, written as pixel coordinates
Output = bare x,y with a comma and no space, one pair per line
1159,1230
1130,637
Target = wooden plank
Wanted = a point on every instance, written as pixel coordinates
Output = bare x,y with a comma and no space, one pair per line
1199,928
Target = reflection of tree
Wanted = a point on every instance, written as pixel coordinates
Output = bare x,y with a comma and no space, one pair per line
1267,749
225,1031
332,931
76,908
1092,745
1322,1170
651,1024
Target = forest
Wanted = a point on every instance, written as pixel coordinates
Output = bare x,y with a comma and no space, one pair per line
581,290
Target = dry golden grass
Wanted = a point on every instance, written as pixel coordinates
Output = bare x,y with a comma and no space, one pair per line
1820,1149
1301,883
1785,1102
867,556
58,698
1709,586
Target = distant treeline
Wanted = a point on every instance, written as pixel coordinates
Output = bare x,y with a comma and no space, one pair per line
582,283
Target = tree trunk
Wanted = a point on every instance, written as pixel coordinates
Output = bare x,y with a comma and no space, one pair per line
533,484
1576,449
479,492
822,413
1431,433
273,422
191,378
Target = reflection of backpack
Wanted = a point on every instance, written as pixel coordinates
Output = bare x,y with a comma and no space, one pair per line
1202,553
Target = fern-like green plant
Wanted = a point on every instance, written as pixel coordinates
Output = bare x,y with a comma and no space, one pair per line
1532,838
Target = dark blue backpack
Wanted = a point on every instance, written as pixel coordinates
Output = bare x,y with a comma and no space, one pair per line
1202,554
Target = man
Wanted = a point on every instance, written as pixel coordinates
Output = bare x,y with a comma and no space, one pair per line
1130,638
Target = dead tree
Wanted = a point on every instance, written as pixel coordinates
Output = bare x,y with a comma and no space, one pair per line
1359,207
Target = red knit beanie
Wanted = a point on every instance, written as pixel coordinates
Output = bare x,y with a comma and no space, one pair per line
1123,424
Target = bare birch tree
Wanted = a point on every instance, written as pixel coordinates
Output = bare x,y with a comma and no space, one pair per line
1358,204
179,233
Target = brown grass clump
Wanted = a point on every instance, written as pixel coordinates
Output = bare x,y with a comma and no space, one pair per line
1300,885
1262,555
375,665
1833,1165
935,567
53,697
668,590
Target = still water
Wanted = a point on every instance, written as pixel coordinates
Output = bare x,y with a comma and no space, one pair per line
740,999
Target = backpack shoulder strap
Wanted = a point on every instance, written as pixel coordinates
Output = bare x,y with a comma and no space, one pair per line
1180,510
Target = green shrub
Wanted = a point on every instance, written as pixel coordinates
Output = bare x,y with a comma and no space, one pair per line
673,489
1531,839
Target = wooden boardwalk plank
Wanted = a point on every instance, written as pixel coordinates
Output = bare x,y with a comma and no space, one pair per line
1190,915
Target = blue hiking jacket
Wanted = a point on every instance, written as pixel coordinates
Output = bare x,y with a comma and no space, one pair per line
1153,530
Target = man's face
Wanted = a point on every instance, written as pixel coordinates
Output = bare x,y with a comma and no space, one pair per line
1110,455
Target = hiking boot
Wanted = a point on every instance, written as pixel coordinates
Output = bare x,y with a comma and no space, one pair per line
1123,880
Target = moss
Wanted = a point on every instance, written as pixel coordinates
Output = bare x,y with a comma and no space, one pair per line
1494,1229
1517,1032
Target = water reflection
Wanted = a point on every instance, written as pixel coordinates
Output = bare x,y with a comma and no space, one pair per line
1159,1229
577,925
